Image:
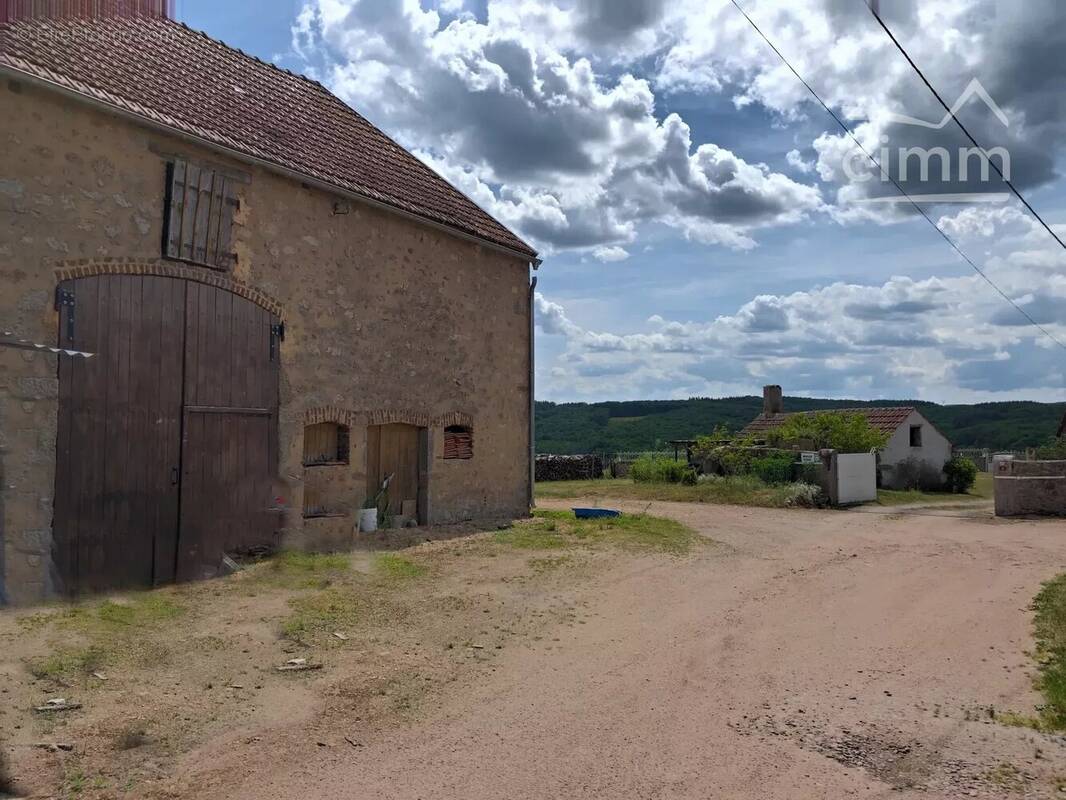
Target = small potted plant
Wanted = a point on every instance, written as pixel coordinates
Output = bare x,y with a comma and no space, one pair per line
368,514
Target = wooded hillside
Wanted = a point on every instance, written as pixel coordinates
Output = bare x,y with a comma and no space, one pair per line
649,424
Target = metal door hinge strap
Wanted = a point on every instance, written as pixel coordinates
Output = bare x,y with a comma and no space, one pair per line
65,297
277,334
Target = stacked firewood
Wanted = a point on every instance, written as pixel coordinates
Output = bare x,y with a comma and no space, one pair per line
568,468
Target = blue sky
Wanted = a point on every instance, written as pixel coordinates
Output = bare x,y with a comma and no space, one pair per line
699,234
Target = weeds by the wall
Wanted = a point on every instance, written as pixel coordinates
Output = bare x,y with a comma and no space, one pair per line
1050,629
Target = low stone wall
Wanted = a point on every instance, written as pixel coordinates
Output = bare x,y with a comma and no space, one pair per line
1022,495
1037,469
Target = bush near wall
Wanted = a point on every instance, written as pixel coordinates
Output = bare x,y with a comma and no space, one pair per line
960,474
661,469
773,469
1054,449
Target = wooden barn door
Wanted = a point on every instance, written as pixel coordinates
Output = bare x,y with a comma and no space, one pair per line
230,429
395,450
119,427
166,436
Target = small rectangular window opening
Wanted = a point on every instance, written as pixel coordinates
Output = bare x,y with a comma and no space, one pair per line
458,442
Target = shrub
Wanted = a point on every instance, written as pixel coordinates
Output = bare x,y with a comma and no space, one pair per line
1053,449
960,474
661,469
806,495
773,469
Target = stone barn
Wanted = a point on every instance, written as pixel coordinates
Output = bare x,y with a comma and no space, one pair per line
283,305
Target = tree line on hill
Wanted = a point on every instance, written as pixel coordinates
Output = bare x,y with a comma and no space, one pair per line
641,425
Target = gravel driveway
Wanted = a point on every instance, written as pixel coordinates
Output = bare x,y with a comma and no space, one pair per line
806,654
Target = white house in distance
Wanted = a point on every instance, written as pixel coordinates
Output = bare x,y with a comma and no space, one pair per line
914,443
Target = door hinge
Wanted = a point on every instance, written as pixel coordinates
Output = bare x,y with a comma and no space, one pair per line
65,299
277,334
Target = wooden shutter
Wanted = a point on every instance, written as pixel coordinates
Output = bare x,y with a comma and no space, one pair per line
198,220
458,442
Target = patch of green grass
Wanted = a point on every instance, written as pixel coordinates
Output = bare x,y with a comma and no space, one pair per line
536,535
147,610
298,561
294,569
1013,719
323,612
69,662
129,629
1006,776
737,491
396,567
899,497
552,530
1050,632
981,490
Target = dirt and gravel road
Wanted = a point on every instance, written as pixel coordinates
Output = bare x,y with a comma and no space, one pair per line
805,655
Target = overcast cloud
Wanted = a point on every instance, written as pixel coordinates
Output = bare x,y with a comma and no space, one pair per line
632,138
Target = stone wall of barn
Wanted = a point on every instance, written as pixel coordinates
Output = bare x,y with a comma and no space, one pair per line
387,319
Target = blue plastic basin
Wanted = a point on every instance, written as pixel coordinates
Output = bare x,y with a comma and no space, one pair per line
595,513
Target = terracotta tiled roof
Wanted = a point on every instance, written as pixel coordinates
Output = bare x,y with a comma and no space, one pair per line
170,74
886,420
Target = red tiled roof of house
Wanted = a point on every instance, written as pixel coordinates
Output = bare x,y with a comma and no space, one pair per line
169,74
886,420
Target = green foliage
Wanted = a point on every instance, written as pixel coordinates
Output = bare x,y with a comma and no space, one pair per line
1050,624
1053,449
960,474
848,433
648,425
68,663
773,469
661,469
321,612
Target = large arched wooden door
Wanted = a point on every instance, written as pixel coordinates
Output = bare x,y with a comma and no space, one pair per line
166,438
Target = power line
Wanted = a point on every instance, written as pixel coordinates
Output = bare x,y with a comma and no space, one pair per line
936,94
886,176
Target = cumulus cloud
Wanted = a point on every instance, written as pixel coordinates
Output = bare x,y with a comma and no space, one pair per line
531,131
945,338
606,254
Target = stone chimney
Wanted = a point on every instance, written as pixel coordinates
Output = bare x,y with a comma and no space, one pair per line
772,400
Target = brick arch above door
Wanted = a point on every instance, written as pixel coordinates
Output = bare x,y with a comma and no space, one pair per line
384,416
72,269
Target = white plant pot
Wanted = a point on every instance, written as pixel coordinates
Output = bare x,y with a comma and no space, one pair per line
368,520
